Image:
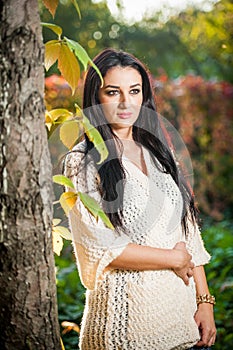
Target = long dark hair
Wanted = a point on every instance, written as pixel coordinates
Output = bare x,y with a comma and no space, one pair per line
147,131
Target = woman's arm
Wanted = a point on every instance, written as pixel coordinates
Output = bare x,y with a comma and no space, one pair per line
138,257
204,316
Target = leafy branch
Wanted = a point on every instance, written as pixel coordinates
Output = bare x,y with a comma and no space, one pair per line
68,53
68,200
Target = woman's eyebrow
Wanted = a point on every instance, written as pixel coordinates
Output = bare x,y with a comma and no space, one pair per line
111,86
118,87
131,86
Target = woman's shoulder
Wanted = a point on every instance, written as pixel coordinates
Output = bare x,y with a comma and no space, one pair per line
80,147
76,155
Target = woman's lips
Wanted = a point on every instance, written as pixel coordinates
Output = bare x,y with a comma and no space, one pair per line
124,115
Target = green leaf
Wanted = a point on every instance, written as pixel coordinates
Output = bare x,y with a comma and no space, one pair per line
98,72
69,66
69,133
94,208
74,2
52,52
51,5
79,51
93,135
82,55
56,29
63,180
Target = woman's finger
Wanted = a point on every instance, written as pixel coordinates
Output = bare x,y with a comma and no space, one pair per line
190,273
212,339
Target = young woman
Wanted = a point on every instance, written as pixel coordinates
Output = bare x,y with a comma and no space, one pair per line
146,286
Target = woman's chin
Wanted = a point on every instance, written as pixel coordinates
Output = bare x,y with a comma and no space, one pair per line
122,125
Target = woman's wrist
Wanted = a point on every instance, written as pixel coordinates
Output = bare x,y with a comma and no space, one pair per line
205,299
176,259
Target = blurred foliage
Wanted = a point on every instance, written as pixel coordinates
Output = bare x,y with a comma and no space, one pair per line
202,112
219,242
194,41
58,93
207,36
70,295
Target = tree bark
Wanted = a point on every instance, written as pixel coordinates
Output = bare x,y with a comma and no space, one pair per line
28,307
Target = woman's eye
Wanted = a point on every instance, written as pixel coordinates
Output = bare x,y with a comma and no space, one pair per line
135,91
112,92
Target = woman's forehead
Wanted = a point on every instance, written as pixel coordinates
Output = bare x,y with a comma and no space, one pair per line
122,76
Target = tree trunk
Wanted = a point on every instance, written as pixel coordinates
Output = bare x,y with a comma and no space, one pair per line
28,308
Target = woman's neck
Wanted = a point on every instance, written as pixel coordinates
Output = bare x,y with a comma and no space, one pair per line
124,133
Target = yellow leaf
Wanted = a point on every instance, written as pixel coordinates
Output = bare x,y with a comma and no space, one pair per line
67,201
55,117
57,243
69,326
51,5
63,232
48,121
69,133
55,28
57,113
48,118
62,345
52,52
69,66
56,221
82,55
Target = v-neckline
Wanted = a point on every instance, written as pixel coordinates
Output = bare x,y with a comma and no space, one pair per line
146,174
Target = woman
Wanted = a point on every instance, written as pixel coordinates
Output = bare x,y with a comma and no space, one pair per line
143,277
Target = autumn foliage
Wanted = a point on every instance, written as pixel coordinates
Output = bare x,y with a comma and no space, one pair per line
58,93
202,111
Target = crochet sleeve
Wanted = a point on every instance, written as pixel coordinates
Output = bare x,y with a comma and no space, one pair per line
95,245
195,245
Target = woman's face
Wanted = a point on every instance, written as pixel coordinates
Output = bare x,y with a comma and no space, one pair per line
121,96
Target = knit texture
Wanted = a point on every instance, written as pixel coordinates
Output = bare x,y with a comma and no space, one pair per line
133,310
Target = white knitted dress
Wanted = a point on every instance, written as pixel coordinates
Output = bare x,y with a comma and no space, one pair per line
133,310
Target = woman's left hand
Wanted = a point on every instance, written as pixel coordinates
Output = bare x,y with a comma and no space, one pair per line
204,318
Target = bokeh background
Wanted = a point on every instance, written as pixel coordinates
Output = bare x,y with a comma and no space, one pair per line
187,46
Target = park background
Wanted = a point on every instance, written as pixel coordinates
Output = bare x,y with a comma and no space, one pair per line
189,55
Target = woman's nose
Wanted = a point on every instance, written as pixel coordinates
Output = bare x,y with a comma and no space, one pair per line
124,101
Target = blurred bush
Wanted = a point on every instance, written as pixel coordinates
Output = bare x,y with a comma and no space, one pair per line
202,112
70,295
58,93
219,242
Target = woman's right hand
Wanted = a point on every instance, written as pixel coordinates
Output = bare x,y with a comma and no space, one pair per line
183,265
